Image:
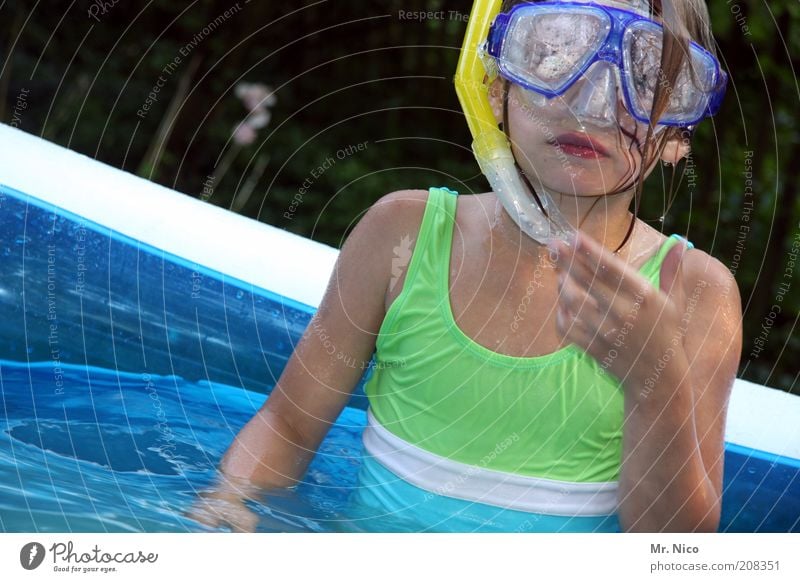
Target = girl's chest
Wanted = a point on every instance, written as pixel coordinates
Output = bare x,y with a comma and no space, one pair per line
506,306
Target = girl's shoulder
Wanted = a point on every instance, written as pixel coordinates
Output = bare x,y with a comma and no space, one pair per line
401,212
397,219
697,267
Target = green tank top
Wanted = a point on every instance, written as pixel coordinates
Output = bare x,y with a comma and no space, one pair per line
558,416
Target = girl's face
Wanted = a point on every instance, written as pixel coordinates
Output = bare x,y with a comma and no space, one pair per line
563,150
584,142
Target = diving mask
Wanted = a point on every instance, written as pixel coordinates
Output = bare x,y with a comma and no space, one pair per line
546,47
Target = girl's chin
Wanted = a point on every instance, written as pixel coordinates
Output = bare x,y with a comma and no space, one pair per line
581,182
578,193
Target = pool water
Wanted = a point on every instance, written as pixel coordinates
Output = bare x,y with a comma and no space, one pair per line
87,449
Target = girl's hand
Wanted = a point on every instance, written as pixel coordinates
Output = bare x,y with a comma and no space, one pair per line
223,507
218,512
642,335
615,314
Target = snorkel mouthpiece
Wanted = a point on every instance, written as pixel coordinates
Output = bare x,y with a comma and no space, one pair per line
490,146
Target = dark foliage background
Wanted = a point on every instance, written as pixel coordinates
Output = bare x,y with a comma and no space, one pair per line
367,72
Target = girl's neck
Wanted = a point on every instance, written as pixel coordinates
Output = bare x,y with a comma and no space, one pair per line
605,218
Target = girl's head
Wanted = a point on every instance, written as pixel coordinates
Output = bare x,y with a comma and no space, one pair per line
586,98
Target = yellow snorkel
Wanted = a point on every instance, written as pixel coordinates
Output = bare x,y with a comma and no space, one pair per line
490,146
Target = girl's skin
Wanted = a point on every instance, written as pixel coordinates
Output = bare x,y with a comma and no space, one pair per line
676,359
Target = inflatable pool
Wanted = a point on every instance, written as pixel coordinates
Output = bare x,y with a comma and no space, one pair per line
142,328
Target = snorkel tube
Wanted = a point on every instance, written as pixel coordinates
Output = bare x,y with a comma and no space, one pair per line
490,146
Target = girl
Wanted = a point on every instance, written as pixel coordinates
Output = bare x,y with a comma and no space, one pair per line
580,386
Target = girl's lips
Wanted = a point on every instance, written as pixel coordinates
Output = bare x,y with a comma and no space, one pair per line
579,145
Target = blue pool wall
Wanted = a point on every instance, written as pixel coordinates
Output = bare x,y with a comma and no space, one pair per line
75,292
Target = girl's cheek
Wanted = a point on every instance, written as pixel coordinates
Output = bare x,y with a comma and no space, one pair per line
535,111
629,125
527,101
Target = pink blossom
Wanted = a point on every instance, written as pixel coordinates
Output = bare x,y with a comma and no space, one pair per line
255,95
244,134
258,118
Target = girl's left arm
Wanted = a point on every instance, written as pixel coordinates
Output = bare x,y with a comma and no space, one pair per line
676,351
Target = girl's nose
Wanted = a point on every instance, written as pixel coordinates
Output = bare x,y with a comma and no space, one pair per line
594,97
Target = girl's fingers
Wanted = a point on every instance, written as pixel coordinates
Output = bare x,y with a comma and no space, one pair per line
576,331
574,299
604,275
608,268
589,280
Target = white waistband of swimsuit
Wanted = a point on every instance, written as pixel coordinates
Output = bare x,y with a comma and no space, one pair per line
444,476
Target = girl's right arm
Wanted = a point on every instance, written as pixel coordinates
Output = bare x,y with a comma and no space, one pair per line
275,447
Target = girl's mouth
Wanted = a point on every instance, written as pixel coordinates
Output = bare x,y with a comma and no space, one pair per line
579,145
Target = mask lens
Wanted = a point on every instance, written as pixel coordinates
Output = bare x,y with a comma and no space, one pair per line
550,49
643,59
690,93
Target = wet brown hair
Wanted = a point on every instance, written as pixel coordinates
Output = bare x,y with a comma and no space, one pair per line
683,20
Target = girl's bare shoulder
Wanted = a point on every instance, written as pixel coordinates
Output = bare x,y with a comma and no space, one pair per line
697,266
398,212
701,269
392,227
